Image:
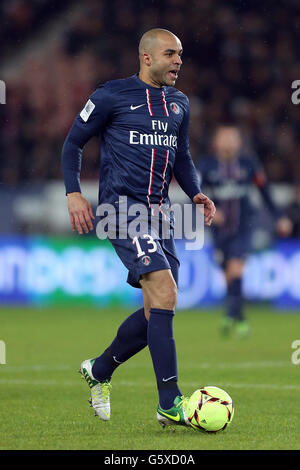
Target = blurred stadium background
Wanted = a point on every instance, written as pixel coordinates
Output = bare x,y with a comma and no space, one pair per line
240,59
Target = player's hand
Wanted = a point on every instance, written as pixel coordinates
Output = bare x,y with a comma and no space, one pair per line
208,208
284,227
81,213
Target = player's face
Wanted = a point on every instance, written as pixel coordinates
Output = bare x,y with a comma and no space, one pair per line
165,61
227,143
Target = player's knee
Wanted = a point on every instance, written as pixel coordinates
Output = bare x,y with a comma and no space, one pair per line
234,269
160,290
166,296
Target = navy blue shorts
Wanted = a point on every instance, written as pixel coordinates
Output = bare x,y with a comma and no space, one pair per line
236,246
145,254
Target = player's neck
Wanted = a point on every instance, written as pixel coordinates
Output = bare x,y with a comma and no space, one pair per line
146,79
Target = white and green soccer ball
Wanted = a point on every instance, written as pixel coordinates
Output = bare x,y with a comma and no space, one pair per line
210,409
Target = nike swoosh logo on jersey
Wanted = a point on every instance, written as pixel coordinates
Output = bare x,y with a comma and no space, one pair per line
135,107
172,417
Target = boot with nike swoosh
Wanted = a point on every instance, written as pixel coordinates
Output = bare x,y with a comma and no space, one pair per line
174,416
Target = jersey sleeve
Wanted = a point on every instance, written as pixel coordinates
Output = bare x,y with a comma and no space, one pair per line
258,173
184,168
202,169
260,181
90,122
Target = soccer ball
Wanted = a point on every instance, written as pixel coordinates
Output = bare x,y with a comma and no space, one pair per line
210,409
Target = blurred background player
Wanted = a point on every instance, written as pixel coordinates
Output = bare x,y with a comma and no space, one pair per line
228,176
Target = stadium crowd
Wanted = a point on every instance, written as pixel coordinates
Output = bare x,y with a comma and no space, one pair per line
240,59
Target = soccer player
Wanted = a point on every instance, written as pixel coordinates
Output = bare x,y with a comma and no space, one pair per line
228,175
143,123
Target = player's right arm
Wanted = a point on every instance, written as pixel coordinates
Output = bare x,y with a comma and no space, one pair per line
88,123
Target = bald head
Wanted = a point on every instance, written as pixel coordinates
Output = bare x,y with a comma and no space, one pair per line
160,57
151,38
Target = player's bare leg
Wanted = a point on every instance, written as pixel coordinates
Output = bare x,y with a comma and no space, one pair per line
159,291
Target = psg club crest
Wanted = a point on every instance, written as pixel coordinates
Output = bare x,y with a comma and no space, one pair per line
146,260
175,108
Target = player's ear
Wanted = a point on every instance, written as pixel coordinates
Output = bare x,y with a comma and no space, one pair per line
147,59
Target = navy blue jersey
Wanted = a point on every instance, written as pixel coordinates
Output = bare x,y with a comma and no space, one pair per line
229,184
144,141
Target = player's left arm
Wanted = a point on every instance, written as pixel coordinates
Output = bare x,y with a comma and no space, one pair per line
284,225
186,173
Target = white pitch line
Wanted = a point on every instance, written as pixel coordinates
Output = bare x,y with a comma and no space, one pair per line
35,367
223,384
263,386
204,365
125,383
36,382
242,365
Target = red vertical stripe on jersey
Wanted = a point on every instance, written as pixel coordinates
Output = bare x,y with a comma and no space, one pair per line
163,176
151,177
164,103
149,102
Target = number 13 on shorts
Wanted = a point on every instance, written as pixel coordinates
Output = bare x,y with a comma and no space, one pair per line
150,241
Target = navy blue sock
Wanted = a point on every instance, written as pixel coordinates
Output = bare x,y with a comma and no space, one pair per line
163,353
130,339
235,300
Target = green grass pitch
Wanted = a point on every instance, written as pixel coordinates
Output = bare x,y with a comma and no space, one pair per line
44,404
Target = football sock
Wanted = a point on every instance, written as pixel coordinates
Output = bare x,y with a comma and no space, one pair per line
163,353
235,300
130,339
